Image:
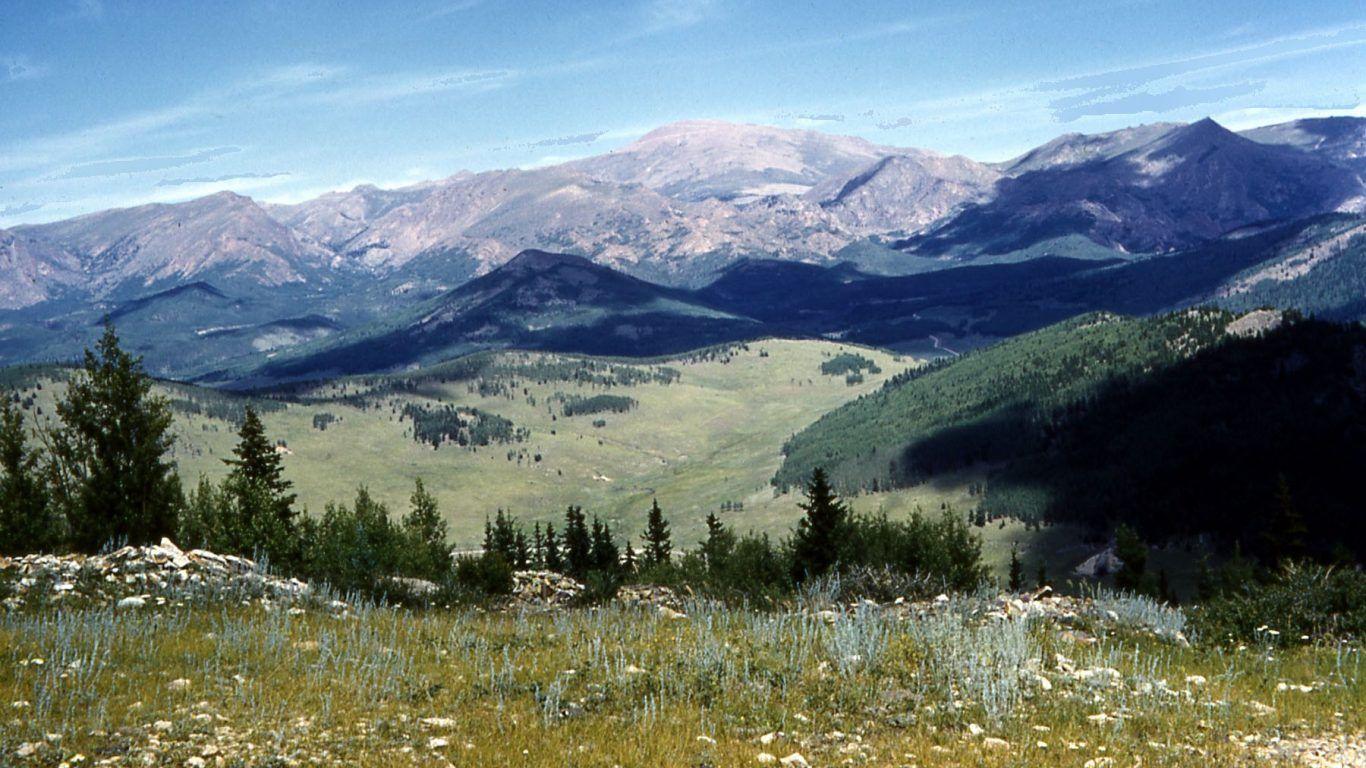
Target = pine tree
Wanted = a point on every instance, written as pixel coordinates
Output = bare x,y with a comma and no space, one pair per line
821,535
578,544
521,551
658,547
604,554
553,560
263,504
537,547
1042,576
628,558
427,554
1016,570
1133,553
109,467
1286,533
27,521
720,542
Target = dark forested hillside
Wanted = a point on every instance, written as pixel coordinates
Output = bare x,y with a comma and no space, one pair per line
1185,423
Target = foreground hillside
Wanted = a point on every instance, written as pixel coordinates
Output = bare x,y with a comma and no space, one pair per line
698,432
247,678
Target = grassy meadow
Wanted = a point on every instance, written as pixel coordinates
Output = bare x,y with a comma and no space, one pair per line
711,437
258,685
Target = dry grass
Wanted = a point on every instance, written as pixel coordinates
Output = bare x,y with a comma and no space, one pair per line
619,686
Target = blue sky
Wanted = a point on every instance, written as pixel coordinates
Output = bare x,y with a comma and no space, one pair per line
106,103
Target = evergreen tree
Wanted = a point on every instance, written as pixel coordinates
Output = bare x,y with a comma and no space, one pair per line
604,554
1041,578
628,558
1133,553
1016,570
27,521
658,547
263,506
553,560
1286,532
719,544
427,554
537,547
109,467
820,539
521,550
578,545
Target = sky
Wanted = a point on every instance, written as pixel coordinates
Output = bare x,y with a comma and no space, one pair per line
108,104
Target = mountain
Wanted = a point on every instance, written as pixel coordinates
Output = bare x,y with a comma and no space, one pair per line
224,237
704,159
904,192
470,224
946,253
35,271
537,300
1339,139
1078,148
1188,184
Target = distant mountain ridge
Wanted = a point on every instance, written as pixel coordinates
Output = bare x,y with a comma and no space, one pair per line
729,230
688,198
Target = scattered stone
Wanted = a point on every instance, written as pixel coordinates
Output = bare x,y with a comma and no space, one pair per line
794,760
544,588
133,577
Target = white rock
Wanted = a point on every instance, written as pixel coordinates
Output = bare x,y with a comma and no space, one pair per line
794,760
178,684
132,602
766,758
436,742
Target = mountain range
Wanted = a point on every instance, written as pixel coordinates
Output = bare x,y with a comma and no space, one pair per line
703,231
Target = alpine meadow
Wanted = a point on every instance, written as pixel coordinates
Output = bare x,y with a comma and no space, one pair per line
682,382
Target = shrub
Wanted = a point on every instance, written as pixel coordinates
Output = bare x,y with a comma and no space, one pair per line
1302,600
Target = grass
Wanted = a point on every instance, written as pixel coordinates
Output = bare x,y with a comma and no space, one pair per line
260,685
709,438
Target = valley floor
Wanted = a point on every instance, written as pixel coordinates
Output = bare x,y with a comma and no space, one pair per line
967,681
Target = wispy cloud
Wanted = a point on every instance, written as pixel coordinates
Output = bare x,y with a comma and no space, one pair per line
1303,43
144,164
450,9
219,179
1162,101
900,122
667,15
19,209
16,68
565,141
391,87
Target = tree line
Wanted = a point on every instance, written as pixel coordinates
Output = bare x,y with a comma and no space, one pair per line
101,477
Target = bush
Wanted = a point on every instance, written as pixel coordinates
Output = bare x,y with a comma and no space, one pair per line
1302,600
481,576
